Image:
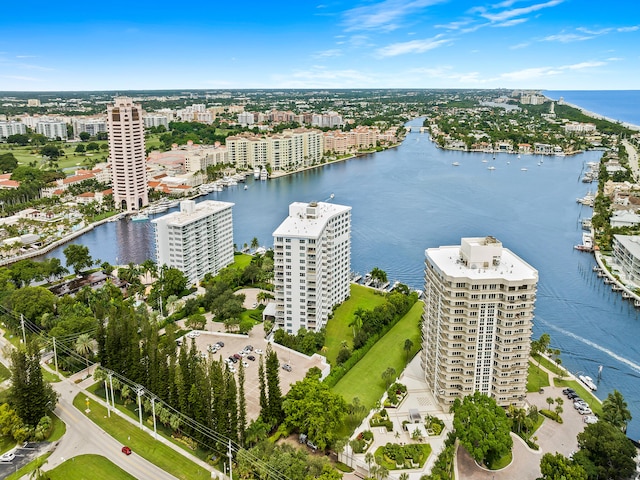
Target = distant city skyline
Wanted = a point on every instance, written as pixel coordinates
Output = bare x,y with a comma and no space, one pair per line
537,44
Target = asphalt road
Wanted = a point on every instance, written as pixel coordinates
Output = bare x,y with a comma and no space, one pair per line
84,437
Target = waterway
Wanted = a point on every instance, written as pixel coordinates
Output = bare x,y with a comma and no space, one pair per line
412,197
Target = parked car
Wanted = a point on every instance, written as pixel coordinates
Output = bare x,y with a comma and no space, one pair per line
590,419
573,396
251,357
580,404
567,391
126,450
233,359
245,364
220,344
248,348
258,351
242,353
7,457
312,445
193,334
237,357
585,411
286,367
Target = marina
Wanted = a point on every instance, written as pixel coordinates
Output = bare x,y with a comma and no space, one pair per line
408,206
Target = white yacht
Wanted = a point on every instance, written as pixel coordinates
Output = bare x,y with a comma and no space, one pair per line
264,174
256,173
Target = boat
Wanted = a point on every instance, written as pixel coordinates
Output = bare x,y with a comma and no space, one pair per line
636,303
626,295
587,243
456,164
264,174
616,288
588,381
246,188
140,217
256,173
583,248
491,168
523,169
484,160
596,268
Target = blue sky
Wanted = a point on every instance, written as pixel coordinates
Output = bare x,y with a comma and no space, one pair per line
118,45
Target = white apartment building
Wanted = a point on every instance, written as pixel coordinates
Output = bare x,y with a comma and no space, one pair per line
196,240
312,258
245,118
127,154
92,126
479,302
52,129
330,119
151,120
11,128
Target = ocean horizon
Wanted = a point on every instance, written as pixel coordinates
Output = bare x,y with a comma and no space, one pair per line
619,105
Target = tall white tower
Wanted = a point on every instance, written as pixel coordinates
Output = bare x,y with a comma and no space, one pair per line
127,152
479,302
312,262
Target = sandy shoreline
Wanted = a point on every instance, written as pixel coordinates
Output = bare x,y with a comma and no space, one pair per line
597,116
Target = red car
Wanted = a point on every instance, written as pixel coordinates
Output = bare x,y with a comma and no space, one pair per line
126,450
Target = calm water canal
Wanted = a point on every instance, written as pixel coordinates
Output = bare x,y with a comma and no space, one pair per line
411,198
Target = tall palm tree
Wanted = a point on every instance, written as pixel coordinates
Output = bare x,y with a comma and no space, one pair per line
84,346
254,243
615,410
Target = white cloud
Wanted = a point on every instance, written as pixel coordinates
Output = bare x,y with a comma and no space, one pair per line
454,25
541,72
413,46
334,52
511,23
517,12
19,77
385,15
519,45
627,29
567,38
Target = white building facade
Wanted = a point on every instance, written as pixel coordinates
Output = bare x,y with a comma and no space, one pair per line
196,240
52,129
312,261
127,154
11,128
479,302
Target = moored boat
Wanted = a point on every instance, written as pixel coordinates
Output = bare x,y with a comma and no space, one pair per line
140,217
588,381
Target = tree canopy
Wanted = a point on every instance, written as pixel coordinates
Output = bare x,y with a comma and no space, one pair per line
78,257
482,427
559,467
615,411
312,408
605,452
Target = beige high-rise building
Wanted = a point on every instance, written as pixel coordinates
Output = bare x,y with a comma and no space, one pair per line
127,152
479,302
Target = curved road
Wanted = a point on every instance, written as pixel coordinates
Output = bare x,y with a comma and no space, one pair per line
85,437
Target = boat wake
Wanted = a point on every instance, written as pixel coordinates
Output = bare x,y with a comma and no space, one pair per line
634,366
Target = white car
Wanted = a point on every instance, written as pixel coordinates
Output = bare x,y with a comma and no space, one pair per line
193,334
7,457
590,419
585,411
245,364
258,351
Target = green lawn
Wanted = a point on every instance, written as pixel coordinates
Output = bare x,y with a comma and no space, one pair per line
502,462
365,380
241,261
142,443
338,328
390,464
88,466
6,443
49,376
549,365
537,378
59,428
70,161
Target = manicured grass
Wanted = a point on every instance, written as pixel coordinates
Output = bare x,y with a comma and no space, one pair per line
389,464
241,261
88,466
141,442
549,365
502,462
537,378
4,373
6,443
29,467
59,428
338,328
585,394
365,380
49,376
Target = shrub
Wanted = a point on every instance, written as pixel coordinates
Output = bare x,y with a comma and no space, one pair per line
367,435
552,415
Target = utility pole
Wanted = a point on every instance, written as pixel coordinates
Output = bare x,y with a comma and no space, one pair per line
153,409
55,354
106,393
230,455
140,393
24,335
113,402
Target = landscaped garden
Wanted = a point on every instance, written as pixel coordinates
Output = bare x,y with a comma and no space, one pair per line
537,378
398,457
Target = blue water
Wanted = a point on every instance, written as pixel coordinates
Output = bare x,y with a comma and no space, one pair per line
411,198
620,105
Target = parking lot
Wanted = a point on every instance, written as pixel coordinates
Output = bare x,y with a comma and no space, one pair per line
234,343
23,456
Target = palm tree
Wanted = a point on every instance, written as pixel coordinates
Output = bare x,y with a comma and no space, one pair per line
368,458
254,243
549,402
615,410
84,346
404,476
388,375
356,323
408,345
150,269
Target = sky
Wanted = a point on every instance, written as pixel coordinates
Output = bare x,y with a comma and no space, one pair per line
217,44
